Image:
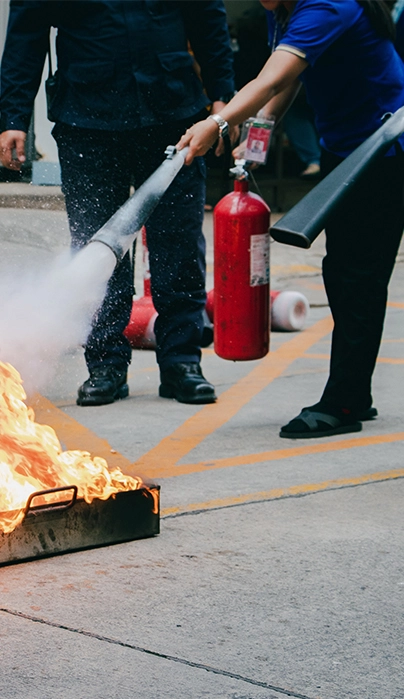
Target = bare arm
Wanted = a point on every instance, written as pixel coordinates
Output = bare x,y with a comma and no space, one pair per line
276,107
279,105
278,76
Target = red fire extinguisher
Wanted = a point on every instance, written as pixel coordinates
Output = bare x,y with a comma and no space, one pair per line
241,274
140,329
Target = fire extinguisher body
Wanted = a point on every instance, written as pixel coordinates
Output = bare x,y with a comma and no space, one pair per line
241,275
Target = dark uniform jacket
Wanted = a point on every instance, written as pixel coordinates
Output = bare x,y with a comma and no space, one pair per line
121,63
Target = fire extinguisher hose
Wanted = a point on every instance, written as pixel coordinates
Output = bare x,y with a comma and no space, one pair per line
123,227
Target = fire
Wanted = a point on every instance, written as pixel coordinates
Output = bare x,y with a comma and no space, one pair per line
31,459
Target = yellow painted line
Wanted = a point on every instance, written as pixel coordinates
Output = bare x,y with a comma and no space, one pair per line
208,419
395,304
316,355
380,360
311,285
390,360
275,455
294,269
73,434
292,491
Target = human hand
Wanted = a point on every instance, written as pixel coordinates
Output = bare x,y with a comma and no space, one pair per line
238,153
12,149
200,137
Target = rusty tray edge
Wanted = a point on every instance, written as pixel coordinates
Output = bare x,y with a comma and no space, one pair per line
128,516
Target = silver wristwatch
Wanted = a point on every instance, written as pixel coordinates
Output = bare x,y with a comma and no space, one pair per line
222,124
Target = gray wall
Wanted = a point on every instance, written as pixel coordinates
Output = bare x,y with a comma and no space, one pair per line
4,5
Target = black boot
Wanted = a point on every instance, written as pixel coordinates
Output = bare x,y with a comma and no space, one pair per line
105,385
187,384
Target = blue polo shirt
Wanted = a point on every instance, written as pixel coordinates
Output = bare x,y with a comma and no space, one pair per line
354,76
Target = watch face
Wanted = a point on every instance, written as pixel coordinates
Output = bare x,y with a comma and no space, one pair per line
222,124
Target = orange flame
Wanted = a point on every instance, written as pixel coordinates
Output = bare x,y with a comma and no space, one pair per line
31,458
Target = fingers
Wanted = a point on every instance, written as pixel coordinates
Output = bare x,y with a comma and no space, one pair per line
12,149
184,141
20,149
238,152
234,134
219,148
199,138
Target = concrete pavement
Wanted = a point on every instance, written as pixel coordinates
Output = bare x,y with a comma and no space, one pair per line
279,567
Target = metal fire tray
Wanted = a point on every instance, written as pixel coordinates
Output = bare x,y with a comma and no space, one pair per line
74,525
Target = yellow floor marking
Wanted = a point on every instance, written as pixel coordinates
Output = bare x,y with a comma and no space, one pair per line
316,355
294,490
274,455
395,304
390,360
73,435
209,418
311,285
380,360
295,269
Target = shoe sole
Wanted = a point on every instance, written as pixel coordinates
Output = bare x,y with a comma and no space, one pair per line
168,392
121,393
344,429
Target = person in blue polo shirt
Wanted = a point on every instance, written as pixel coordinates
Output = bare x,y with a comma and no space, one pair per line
343,52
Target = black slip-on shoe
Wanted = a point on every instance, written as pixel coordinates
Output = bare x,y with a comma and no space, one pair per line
187,384
316,421
105,385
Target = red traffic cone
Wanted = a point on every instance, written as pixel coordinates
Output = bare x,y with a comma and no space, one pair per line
289,309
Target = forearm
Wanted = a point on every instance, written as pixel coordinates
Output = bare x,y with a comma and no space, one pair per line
279,105
278,76
273,89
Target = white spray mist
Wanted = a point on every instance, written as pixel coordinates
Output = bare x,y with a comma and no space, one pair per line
44,313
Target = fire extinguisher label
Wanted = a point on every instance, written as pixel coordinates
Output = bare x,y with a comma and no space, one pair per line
259,260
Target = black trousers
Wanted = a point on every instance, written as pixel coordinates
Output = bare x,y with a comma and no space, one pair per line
98,168
362,244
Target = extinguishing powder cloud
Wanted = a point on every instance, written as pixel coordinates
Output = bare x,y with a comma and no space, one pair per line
46,312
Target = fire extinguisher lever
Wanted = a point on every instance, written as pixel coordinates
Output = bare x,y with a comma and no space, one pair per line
170,151
239,171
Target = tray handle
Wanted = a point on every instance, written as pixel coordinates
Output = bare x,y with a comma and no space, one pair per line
52,505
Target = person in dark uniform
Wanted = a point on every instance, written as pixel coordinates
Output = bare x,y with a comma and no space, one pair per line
126,88
343,52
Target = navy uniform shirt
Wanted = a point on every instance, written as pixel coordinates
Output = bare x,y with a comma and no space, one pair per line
121,63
